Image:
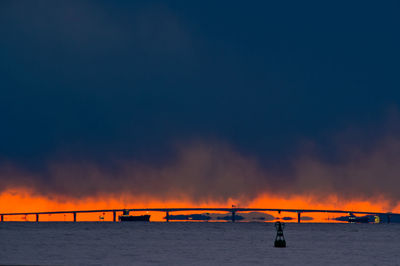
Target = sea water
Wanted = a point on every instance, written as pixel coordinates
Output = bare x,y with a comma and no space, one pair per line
196,243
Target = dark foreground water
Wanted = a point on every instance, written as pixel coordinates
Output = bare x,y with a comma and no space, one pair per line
197,244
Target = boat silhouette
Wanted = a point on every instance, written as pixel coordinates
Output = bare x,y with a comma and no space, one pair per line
125,217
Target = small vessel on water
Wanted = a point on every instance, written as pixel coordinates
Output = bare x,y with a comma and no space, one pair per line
125,217
355,219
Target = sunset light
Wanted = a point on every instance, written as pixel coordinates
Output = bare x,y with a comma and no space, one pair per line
199,132
24,201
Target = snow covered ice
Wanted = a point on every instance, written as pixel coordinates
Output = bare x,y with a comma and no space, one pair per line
197,243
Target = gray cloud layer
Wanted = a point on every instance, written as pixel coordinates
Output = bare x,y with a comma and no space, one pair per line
209,171
93,94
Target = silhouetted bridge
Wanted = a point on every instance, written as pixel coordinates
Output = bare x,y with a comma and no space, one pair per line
167,211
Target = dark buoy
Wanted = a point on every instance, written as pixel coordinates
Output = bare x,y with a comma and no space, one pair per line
279,239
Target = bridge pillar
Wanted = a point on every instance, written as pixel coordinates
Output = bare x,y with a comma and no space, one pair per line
233,216
2,218
114,216
388,218
74,216
37,217
167,216
298,217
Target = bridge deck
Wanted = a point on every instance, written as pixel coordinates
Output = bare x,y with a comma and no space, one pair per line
204,209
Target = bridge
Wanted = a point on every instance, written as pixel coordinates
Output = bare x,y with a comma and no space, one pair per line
167,212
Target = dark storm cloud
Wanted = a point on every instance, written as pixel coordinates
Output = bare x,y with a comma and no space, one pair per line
100,94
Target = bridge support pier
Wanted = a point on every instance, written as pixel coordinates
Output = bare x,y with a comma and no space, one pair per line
114,216
37,217
233,216
2,218
74,216
298,217
388,218
167,216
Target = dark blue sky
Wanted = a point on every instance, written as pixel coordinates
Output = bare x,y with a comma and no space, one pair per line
103,80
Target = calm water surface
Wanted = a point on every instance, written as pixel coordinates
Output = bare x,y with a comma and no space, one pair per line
207,243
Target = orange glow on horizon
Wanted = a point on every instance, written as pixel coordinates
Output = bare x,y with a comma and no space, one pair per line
25,201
